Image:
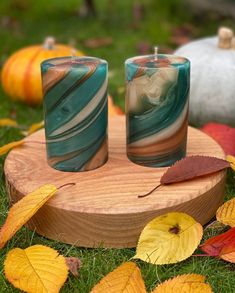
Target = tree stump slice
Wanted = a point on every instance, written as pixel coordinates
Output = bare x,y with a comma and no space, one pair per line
103,207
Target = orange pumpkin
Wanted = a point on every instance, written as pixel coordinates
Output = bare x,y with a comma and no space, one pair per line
21,75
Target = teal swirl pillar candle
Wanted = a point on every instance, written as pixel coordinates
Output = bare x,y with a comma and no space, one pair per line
75,112
157,89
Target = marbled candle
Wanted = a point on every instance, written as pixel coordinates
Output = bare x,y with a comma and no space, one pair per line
157,91
75,112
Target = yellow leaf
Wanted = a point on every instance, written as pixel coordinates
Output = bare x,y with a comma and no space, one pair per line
34,127
8,122
124,279
7,147
191,283
23,210
36,269
226,213
169,238
231,160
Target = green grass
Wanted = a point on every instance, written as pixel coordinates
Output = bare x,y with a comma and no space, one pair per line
32,22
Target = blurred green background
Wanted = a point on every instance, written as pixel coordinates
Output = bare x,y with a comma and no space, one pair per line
132,27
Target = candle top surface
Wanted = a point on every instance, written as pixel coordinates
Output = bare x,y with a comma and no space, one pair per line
157,61
72,62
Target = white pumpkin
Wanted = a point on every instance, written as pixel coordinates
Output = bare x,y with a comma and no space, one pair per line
212,94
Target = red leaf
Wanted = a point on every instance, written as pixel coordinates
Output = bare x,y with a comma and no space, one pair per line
218,245
193,167
190,168
223,134
228,248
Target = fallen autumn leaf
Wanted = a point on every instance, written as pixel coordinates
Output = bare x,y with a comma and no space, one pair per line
169,238
7,147
231,160
190,283
8,122
214,245
34,127
226,213
23,210
36,269
190,168
223,134
124,279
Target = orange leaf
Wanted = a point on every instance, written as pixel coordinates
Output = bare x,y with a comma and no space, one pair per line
191,283
215,245
23,210
7,147
124,279
74,265
36,269
226,213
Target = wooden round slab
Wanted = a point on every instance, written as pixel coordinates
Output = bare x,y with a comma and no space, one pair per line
103,207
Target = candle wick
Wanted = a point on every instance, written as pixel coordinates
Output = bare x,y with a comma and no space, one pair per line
155,52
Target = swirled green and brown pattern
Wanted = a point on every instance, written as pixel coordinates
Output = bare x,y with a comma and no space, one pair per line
75,112
157,109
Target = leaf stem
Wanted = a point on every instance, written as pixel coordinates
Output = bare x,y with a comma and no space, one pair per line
67,184
150,192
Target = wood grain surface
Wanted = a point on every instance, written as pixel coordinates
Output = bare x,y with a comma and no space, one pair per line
103,207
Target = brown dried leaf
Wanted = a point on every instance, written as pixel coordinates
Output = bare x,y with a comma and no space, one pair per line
74,265
193,167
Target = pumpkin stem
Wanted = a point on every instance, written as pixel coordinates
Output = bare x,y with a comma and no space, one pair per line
49,43
225,36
